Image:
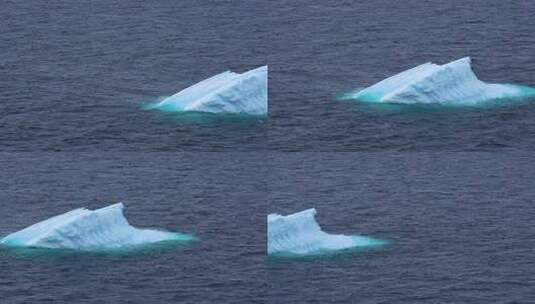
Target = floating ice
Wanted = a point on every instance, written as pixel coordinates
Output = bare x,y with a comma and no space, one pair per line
299,233
227,92
88,230
454,83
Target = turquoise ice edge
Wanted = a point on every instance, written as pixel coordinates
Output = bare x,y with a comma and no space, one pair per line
104,231
450,85
20,251
365,245
298,236
228,92
527,95
374,107
204,118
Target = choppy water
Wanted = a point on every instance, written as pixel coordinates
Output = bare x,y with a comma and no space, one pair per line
75,76
220,198
460,227
74,80
324,49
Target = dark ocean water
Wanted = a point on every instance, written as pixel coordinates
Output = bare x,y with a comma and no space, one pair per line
322,49
220,198
74,76
460,227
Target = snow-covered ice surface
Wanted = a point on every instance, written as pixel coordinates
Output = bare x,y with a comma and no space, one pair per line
89,230
300,234
227,92
450,84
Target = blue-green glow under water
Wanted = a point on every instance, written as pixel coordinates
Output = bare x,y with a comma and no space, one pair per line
172,114
330,255
372,105
174,107
25,252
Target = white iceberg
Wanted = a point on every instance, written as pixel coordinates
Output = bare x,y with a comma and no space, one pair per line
89,230
300,234
453,84
227,92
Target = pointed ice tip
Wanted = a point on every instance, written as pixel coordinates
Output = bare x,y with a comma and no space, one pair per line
466,59
306,213
258,69
119,205
311,210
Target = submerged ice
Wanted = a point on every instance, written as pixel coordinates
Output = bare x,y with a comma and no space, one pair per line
227,92
89,230
300,234
454,83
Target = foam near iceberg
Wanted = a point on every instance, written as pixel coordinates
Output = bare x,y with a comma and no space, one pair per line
300,234
451,84
89,230
227,92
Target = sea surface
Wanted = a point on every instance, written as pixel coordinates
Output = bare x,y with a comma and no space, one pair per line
451,189
323,49
75,76
459,225
218,197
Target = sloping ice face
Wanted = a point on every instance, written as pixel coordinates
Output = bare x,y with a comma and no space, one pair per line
453,84
89,230
227,92
300,234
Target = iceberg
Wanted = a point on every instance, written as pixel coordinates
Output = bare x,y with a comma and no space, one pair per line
89,230
227,92
451,84
300,234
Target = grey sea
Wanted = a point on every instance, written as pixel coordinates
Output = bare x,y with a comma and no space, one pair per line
451,189
219,198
